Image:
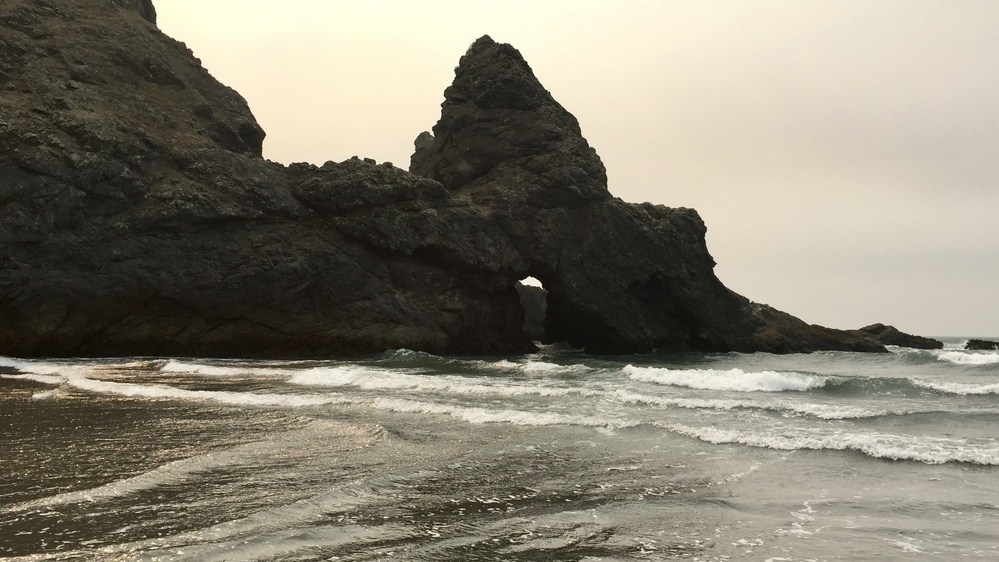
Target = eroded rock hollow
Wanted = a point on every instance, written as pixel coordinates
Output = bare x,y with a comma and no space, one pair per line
137,217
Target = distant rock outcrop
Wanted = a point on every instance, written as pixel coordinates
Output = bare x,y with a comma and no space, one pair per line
889,335
137,217
981,345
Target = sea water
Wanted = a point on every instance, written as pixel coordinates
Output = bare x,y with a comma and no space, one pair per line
553,456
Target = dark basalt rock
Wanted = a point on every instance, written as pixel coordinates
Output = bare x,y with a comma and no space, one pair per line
981,345
500,126
889,335
621,277
137,217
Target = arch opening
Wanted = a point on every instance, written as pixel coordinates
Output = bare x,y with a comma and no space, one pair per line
534,301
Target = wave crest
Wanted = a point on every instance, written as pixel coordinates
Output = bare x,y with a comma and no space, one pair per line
962,389
973,358
928,450
732,379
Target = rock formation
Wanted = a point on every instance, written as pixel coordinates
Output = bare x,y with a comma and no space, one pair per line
621,277
889,335
981,345
137,217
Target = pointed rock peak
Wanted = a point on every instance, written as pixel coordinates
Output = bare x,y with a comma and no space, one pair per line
504,137
480,44
144,8
492,75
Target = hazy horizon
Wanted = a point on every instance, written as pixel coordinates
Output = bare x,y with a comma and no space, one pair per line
844,156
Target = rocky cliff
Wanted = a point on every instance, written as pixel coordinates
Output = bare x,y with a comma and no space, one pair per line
137,217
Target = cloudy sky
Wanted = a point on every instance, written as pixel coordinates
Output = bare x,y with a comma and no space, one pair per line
844,155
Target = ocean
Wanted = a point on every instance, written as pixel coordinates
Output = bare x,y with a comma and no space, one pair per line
553,456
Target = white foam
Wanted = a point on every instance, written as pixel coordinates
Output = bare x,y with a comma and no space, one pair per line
361,377
276,531
180,471
367,378
12,363
404,354
176,472
732,379
44,379
503,365
155,391
958,357
839,412
177,366
534,367
34,367
483,415
929,450
546,368
821,411
958,388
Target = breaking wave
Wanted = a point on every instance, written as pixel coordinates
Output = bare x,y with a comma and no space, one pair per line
732,379
962,389
820,411
367,378
485,415
163,392
924,449
972,358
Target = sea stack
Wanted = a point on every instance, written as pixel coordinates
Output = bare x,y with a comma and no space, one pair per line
621,278
138,217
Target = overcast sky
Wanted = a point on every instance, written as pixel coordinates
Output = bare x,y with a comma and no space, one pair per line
844,155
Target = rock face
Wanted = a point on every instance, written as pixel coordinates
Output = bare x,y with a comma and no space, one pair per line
500,128
981,345
137,217
889,335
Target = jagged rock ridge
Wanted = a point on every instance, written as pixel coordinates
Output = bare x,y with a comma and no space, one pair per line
137,217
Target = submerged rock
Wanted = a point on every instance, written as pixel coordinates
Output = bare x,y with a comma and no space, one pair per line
137,217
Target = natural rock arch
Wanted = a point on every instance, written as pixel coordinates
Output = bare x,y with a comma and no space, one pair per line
621,277
137,217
